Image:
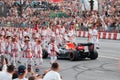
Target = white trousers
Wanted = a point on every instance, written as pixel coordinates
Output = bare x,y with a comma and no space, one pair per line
53,59
28,61
95,41
14,60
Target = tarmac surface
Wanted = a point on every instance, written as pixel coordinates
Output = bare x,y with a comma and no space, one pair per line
106,67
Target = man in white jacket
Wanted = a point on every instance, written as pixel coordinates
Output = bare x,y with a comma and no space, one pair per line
94,36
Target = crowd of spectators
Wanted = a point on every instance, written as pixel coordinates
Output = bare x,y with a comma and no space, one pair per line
15,13
21,72
26,13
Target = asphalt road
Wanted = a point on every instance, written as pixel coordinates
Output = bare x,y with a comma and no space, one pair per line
106,67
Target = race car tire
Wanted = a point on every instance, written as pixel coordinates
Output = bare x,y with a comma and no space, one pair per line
93,55
84,55
74,56
45,53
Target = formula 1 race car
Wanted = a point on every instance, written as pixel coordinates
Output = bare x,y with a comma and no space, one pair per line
76,52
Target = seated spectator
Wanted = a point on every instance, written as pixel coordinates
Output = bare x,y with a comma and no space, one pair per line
53,73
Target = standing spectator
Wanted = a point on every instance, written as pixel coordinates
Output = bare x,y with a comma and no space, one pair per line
93,36
52,50
15,49
90,34
38,52
53,73
7,75
27,51
22,72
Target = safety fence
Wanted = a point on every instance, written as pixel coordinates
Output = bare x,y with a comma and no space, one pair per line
102,35
17,25
80,33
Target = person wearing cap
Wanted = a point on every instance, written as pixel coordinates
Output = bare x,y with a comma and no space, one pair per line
15,51
22,72
38,52
27,51
53,73
52,50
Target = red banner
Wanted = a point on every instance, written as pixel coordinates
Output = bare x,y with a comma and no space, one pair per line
55,0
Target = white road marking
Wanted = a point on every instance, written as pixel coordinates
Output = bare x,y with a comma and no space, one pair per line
110,57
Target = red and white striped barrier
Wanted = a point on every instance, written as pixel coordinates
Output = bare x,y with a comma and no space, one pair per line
102,35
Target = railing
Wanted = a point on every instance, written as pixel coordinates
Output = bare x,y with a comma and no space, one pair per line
18,25
78,28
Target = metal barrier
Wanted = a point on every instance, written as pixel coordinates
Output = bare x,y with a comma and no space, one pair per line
102,35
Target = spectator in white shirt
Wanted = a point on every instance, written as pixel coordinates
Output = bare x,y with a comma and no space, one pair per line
53,73
7,74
